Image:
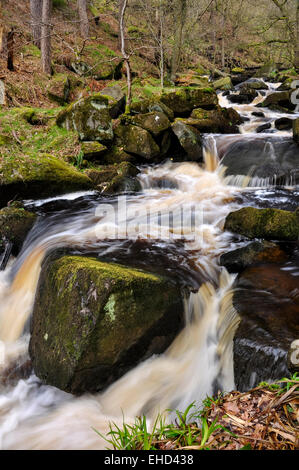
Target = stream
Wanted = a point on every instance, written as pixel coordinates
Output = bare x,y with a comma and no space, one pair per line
200,360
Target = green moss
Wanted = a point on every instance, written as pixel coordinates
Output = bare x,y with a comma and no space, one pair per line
270,224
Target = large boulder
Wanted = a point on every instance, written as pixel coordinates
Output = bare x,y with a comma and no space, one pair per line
224,83
183,100
274,158
15,224
117,99
37,177
90,117
266,299
189,138
100,320
270,224
278,99
219,120
137,141
150,105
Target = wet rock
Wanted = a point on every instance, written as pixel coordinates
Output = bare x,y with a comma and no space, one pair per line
296,130
189,138
184,100
243,98
15,224
252,84
267,301
270,224
252,254
258,114
36,177
114,179
283,124
263,127
137,141
278,98
90,117
101,320
274,158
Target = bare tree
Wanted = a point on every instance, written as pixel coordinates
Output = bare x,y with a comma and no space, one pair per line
82,11
36,7
46,36
126,56
181,11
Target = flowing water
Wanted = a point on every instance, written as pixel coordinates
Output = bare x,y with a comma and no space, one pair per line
199,361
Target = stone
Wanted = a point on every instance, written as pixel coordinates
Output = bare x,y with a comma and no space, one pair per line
154,122
189,138
296,130
37,177
270,224
115,179
90,117
278,98
93,150
283,124
15,224
137,141
224,83
115,92
101,320
184,100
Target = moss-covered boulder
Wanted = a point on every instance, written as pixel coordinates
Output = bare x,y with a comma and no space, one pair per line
224,83
296,130
150,105
61,88
101,320
15,224
114,179
137,141
189,138
154,122
223,120
117,100
90,117
282,99
270,224
93,150
36,177
184,100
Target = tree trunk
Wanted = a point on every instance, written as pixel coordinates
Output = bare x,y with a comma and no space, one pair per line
181,8
36,7
82,11
124,54
10,49
46,36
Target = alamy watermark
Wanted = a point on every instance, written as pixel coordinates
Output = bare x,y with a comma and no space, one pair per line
127,220
295,94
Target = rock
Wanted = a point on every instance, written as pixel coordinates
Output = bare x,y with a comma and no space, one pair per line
154,122
270,224
38,177
93,150
223,84
114,179
293,356
15,224
137,141
274,158
184,100
61,87
252,254
263,127
150,105
90,117
243,98
278,98
252,84
258,114
222,120
296,130
283,124
101,320
266,299
268,71
2,93
115,92
189,138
